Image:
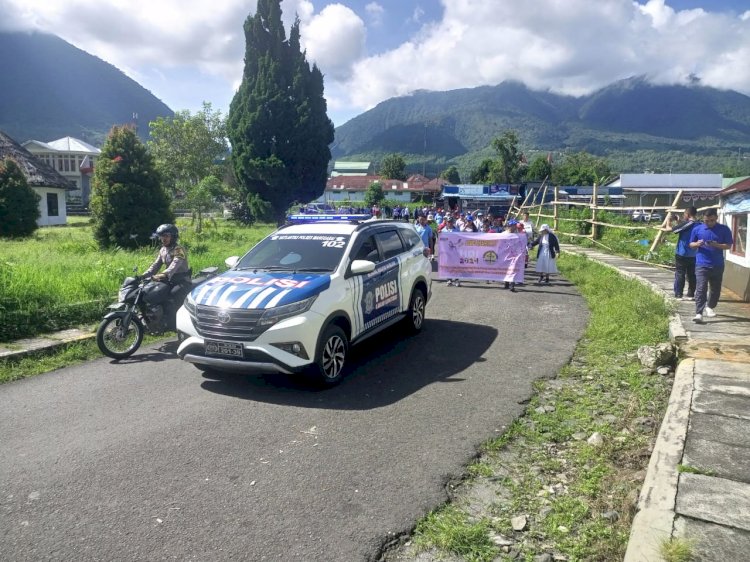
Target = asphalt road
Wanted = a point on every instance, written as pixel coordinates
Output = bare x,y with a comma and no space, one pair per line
149,459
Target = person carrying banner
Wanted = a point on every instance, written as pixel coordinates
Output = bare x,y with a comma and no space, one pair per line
510,232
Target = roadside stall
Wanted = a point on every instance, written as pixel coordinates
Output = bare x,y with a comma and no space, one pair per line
496,199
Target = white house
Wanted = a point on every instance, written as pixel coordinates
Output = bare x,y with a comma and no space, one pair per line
72,158
45,181
735,211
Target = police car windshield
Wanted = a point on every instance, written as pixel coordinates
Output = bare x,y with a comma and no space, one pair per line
296,252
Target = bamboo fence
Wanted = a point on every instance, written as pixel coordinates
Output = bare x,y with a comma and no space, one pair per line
538,208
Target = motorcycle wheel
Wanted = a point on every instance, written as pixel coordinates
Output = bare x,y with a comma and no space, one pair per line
114,342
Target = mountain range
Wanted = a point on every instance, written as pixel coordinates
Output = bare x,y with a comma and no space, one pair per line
52,89
636,125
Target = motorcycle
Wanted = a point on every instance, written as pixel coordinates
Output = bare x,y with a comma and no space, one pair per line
144,306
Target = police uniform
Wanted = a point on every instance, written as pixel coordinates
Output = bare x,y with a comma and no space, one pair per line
175,258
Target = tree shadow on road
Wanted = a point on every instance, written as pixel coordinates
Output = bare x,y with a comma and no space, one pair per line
382,370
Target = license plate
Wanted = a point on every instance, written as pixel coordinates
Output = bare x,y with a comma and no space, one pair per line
224,349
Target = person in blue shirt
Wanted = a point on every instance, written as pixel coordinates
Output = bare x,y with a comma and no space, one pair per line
425,233
684,256
710,239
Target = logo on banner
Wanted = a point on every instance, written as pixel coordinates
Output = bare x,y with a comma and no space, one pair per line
490,257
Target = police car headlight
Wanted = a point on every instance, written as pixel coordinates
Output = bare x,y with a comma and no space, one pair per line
190,304
279,313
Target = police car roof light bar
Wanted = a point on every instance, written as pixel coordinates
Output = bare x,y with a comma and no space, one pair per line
307,219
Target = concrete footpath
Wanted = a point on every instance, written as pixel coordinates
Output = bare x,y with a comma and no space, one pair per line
697,486
698,481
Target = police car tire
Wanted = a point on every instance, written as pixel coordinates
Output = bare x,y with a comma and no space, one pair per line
331,356
415,315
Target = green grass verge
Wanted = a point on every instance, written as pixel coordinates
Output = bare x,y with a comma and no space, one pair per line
65,355
579,498
58,277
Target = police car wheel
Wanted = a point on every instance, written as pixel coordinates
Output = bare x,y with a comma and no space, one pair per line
331,356
415,316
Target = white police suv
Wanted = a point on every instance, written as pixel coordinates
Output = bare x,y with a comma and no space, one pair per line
305,293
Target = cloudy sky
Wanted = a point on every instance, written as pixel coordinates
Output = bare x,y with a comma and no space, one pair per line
188,51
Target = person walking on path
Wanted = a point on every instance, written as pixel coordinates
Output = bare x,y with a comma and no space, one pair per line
425,233
511,231
451,227
684,257
710,239
549,249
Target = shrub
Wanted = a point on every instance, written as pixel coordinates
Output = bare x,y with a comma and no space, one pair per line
19,204
128,201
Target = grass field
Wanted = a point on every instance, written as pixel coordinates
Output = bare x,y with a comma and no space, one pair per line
58,278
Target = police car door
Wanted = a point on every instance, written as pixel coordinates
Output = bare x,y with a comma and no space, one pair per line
377,295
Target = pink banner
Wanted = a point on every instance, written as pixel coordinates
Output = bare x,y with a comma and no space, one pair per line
496,257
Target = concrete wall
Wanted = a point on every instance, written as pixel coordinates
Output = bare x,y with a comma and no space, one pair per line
737,279
44,218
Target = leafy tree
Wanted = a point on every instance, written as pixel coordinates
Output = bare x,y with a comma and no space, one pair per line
581,168
188,149
483,172
539,168
277,125
392,167
203,198
19,203
507,167
127,200
451,175
374,194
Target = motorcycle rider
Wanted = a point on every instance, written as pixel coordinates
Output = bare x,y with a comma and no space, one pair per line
174,257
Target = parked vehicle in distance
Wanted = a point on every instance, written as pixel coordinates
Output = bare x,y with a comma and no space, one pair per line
322,208
641,215
656,217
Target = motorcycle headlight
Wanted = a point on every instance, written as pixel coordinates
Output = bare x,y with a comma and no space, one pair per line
279,313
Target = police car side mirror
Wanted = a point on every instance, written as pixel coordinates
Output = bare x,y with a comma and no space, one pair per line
362,266
232,261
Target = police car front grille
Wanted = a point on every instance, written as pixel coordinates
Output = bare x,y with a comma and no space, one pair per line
242,324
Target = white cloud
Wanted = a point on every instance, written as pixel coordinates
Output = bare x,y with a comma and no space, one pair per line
375,13
570,47
334,39
417,15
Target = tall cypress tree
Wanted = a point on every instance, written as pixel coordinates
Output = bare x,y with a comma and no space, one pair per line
127,201
277,124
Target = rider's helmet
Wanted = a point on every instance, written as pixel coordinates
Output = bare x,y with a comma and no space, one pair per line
168,229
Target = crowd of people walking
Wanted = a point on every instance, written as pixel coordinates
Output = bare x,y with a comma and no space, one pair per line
430,223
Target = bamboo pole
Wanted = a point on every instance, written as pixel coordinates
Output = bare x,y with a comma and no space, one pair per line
594,203
541,204
664,223
555,212
528,194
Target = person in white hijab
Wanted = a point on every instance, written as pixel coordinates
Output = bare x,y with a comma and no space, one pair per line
549,249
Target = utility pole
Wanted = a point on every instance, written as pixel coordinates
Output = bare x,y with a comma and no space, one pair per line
424,152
